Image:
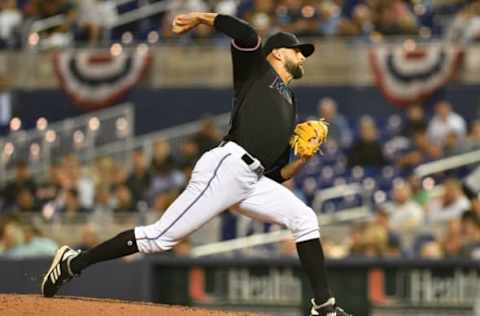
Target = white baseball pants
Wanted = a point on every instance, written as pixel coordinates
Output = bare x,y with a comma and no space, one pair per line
220,180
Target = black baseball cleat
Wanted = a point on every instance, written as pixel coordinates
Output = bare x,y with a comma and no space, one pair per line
59,272
329,308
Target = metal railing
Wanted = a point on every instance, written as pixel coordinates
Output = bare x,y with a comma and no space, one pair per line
81,135
122,151
448,163
276,236
144,10
90,126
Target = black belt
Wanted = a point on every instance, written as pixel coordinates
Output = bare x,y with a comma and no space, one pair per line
249,160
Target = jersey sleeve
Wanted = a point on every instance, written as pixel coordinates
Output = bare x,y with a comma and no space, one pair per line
246,62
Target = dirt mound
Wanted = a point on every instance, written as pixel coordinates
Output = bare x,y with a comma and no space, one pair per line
34,305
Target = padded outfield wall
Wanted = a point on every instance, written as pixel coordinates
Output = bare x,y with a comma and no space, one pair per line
276,286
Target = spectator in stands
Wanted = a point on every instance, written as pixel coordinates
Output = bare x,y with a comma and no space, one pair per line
419,193
451,241
375,241
367,150
102,211
450,205
50,189
104,201
360,24
227,7
393,17
453,145
104,170
164,176
415,120
3,222
35,244
125,202
443,122
338,128
72,208
119,174
90,21
59,35
25,202
160,203
332,250
140,177
287,248
78,180
422,151
475,206
471,236
7,102
375,238
207,137
432,250
473,139
465,27
329,16
394,243
188,154
23,180
10,23
162,155
355,240
183,248
406,215
261,15
89,237
11,234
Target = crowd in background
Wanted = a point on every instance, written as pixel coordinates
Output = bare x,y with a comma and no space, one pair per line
88,21
403,225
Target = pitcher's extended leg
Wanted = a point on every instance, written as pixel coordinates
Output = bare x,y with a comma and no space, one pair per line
219,180
270,201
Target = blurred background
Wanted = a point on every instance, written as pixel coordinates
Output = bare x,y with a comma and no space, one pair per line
103,113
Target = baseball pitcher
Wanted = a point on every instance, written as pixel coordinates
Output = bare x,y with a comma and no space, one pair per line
246,169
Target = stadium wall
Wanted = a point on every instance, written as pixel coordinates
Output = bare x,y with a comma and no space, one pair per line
162,108
365,286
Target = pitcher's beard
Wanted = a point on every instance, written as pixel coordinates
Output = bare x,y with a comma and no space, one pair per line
293,69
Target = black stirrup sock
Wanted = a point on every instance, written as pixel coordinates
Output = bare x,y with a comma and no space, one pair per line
311,256
123,244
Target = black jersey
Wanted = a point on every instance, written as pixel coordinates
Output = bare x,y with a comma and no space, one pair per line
264,111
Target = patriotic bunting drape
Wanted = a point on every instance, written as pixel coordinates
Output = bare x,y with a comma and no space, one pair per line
96,79
407,76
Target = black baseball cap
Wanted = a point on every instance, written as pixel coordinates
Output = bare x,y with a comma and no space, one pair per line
287,40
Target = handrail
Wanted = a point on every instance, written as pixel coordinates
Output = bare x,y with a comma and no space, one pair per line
59,129
47,23
276,236
120,2
126,108
141,13
336,192
121,146
447,163
167,134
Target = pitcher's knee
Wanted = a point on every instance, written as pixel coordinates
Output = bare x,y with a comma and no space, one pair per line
149,240
305,226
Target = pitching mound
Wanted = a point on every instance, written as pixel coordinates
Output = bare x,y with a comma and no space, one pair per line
32,305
